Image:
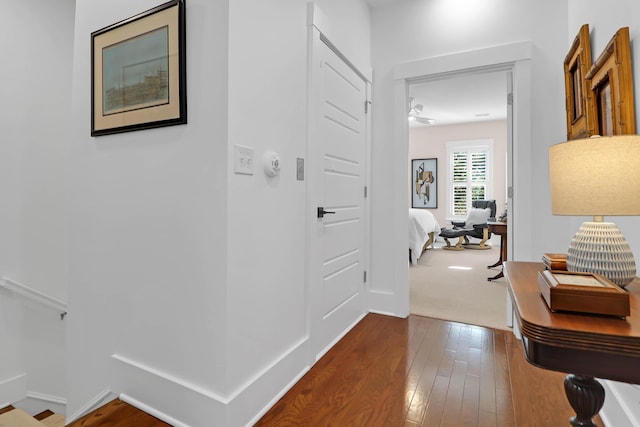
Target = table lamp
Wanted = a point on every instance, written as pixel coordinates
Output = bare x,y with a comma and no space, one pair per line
598,176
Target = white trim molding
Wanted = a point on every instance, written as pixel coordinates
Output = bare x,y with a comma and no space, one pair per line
58,400
136,378
13,389
149,410
621,407
473,59
33,294
94,403
170,378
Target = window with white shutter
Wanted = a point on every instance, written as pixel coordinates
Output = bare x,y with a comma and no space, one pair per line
469,166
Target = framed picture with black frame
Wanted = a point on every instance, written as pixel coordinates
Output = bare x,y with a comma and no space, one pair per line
424,185
138,72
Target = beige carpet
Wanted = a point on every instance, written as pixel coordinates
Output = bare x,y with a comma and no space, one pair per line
459,295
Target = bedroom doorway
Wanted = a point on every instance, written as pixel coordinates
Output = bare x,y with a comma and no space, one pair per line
466,113
460,119
514,57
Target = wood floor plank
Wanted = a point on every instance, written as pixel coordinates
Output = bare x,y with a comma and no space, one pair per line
435,408
453,401
405,381
487,375
44,414
470,411
501,363
427,372
429,366
389,363
409,372
487,419
6,409
118,414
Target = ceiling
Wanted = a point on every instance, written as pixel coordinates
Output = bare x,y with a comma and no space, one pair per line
458,99
462,98
376,3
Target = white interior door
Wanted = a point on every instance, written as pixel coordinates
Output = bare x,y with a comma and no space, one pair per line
337,154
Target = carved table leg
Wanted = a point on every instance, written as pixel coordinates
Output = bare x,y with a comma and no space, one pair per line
586,396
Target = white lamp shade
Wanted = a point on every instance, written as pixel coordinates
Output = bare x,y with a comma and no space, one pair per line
596,176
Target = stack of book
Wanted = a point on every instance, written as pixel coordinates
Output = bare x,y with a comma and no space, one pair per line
555,261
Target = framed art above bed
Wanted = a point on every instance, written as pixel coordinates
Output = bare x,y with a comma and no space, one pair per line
424,185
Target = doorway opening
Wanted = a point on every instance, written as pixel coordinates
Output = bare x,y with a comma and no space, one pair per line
459,122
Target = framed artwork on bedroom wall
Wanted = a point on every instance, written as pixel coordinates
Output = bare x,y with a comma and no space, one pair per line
610,100
138,72
424,185
576,65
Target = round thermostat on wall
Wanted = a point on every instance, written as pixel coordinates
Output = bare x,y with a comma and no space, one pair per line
271,163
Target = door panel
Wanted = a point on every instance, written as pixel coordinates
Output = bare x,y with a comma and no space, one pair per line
337,163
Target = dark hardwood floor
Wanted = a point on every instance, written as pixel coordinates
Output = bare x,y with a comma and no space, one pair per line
424,372
408,372
118,414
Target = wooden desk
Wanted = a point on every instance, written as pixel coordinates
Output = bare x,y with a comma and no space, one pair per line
499,228
584,346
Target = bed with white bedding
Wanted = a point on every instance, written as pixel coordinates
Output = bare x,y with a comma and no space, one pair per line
423,226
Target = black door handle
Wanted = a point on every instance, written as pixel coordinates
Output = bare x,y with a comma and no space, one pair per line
322,212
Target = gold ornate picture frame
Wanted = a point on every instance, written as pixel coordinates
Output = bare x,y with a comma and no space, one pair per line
576,65
610,100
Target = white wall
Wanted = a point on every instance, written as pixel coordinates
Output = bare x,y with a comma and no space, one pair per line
604,20
415,30
347,24
622,407
149,238
37,45
34,149
268,306
431,142
266,299
188,280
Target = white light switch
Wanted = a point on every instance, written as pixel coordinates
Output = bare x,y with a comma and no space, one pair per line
243,160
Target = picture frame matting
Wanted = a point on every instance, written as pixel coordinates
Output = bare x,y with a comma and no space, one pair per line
138,72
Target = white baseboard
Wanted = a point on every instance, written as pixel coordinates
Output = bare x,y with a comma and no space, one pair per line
278,396
621,404
340,336
164,395
152,411
13,389
383,302
47,397
238,408
256,396
386,313
94,403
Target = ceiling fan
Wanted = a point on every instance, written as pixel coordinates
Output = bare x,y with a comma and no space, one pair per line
414,114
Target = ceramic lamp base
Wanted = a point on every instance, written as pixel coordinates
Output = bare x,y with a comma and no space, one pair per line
600,247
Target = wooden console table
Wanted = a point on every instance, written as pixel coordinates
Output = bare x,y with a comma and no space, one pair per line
499,228
582,345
